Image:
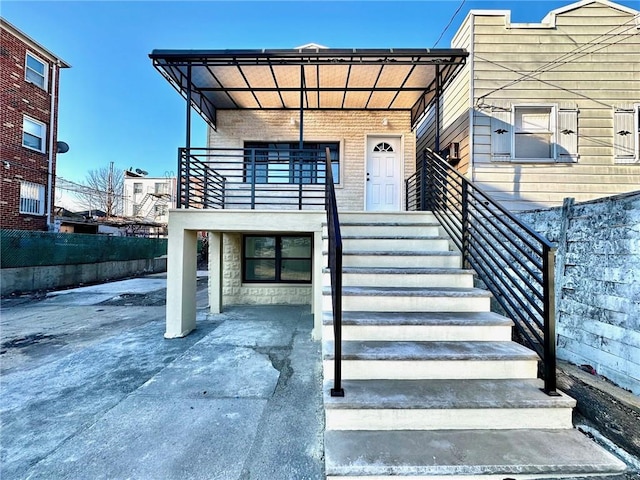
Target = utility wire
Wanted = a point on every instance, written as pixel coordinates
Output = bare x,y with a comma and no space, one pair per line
449,24
575,54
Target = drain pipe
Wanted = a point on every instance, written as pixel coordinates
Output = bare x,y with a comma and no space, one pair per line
52,127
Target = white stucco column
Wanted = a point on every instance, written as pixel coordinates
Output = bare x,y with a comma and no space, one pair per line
215,272
181,281
316,293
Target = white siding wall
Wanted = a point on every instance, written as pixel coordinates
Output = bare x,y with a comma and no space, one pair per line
454,109
573,67
348,127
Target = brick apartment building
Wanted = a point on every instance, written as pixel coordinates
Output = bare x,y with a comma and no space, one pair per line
29,75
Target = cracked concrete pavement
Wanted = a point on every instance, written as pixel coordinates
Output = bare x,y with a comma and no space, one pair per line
91,389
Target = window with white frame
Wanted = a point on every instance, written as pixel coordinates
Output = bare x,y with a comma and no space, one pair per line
161,188
160,210
34,134
31,198
137,187
530,133
533,134
626,134
36,71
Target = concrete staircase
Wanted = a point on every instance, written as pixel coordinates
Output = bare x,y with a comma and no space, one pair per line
434,386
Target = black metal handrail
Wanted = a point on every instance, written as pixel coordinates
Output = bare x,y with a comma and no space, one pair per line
224,178
514,261
335,268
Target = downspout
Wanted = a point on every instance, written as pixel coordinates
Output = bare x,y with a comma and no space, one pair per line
52,127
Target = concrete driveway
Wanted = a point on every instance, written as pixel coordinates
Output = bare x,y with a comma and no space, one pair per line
90,389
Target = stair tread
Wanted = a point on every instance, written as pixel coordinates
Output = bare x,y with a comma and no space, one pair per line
400,253
430,351
405,270
410,291
420,318
444,394
409,223
465,452
390,236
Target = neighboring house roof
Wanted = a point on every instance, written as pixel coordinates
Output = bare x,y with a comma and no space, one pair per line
550,18
549,21
311,78
33,44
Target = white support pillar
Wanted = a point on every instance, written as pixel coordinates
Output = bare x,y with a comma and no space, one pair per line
316,294
215,272
181,281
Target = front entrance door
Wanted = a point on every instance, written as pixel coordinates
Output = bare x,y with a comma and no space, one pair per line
384,174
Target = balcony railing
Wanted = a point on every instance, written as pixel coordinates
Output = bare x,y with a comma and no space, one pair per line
514,261
253,178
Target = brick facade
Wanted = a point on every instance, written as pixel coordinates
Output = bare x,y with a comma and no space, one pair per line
18,98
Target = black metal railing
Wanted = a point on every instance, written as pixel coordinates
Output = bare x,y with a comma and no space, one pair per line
335,268
514,261
255,178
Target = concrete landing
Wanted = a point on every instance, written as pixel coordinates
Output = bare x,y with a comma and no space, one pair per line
464,453
95,391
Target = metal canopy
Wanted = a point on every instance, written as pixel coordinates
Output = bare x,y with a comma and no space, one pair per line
309,78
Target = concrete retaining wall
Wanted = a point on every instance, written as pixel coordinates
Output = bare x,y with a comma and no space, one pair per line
597,283
29,279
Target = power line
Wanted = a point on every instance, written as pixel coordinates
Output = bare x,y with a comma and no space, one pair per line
449,24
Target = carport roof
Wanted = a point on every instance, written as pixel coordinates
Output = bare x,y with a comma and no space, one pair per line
311,78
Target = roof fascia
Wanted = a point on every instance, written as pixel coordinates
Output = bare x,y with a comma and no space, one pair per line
551,16
33,44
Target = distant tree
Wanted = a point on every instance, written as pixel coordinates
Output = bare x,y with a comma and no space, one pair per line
103,189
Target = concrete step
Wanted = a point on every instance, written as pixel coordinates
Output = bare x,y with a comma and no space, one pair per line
403,277
420,326
387,229
407,299
397,243
397,218
464,454
445,405
386,259
430,360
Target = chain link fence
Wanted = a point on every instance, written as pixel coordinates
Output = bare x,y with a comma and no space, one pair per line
23,248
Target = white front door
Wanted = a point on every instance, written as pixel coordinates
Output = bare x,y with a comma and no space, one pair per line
384,174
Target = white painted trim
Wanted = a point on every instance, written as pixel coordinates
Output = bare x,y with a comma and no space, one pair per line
399,136
553,117
551,16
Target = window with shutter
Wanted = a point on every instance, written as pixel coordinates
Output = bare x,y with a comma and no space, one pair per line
501,129
567,135
533,135
626,135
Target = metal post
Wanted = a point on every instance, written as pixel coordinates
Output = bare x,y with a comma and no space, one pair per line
253,178
423,182
438,119
465,224
548,265
301,140
188,140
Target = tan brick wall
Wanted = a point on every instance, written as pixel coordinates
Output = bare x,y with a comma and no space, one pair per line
350,128
234,292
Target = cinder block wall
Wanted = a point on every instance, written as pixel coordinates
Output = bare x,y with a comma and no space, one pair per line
234,292
598,290
350,128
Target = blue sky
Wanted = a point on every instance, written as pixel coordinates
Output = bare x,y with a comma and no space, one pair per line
114,106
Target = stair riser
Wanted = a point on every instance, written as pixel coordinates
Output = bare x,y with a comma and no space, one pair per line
354,303
391,244
385,230
425,280
400,261
447,419
502,476
420,333
388,217
432,369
